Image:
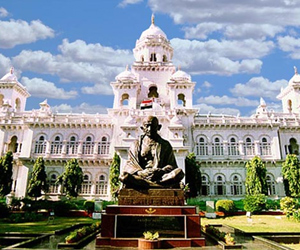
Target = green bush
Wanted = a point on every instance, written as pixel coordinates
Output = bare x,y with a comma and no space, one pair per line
4,212
272,204
225,206
197,202
255,203
288,205
239,204
62,208
89,205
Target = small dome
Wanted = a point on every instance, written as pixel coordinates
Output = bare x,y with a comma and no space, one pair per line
295,79
180,76
125,76
10,76
153,31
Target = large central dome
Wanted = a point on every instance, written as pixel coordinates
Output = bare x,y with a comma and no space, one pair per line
153,31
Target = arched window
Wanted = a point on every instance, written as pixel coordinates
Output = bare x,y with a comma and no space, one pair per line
233,147
249,147
271,185
101,186
217,147
13,145
72,146
142,58
56,146
265,147
86,185
205,189
201,147
125,100
220,188
103,146
165,59
153,57
289,106
181,100
236,185
293,147
1,100
88,146
40,145
153,92
18,105
53,186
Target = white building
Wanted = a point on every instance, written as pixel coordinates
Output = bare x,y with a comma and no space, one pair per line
152,86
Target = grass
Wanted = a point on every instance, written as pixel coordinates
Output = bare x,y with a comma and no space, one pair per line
42,226
260,223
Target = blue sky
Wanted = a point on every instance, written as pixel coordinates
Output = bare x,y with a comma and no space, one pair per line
69,51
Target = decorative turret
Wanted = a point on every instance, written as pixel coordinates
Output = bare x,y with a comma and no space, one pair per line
290,95
13,93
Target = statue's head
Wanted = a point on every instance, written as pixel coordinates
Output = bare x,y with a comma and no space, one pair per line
151,126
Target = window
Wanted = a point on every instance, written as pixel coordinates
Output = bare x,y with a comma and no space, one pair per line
56,146
101,185
40,145
88,146
72,146
153,57
201,147
293,147
181,100
1,100
289,106
205,190
236,185
249,147
153,92
220,188
13,145
271,185
217,147
18,105
86,185
125,100
53,187
165,59
233,147
265,147
103,146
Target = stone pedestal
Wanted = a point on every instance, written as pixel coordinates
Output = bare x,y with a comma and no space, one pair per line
178,225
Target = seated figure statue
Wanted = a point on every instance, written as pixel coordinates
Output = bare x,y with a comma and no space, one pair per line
151,161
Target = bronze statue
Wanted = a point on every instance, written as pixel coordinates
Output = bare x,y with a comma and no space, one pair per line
151,161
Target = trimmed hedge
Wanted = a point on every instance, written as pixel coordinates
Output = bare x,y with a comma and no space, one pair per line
225,206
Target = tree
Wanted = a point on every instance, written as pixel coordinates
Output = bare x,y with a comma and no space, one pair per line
291,175
256,182
6,166
38,180
114,173
192,174
71,178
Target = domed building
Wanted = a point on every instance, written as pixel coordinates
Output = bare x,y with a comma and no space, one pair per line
150,86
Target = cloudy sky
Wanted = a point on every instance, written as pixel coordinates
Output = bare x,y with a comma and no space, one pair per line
69,51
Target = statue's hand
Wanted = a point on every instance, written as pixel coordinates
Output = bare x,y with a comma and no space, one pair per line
168,168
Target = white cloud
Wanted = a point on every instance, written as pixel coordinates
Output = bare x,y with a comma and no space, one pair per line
238,13
226,100
5,65
15,32
78,62
3,12
41,88
207,85
82,108
220,57
290,44
205,109
124,3
259,87
98,89
202,30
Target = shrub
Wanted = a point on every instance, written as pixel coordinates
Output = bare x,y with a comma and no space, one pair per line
288,205
62,208
82,232
225,206
255,203
215,232
89,206
239,204
4,212
273,204
197,202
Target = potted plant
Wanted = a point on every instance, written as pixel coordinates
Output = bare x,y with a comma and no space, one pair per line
150,241
229,240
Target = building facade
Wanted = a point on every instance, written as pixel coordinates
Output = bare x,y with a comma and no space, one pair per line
152,86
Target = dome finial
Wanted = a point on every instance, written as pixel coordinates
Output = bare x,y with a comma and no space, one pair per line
179,67
127,67
152,18
11,70
296,71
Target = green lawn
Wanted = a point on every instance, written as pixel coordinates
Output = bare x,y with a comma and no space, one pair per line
42,226
260,223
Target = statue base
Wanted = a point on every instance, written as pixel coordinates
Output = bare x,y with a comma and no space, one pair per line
149,197
149,210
